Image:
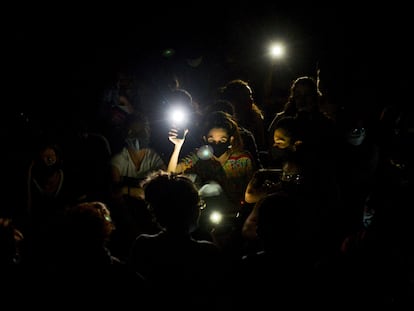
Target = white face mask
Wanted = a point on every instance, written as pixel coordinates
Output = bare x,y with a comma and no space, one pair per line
125,109
356,136
132,143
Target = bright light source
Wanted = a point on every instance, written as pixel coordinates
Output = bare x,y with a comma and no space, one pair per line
168,53
178,116
205,152
277,50
216,217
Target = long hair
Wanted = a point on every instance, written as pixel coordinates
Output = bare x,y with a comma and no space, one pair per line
290,106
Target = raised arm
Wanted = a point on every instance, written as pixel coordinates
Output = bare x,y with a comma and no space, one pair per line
178,144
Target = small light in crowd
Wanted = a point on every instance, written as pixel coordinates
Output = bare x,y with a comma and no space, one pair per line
168,52
205,152
216,217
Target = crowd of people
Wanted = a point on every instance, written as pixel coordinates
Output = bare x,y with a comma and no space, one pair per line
311,201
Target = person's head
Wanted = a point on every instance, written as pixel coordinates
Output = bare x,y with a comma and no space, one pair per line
180,109
179,96
137,130
221,132
88,223
286,133
173,200
239,93
221,105
304,95
286,139
47,161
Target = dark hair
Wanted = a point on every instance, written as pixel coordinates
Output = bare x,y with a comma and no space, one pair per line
290,106
179,94
236,90
173,199
88,222
239,91
184,99
221,105
290,125
223,120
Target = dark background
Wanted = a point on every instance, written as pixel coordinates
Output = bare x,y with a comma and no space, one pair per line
57,60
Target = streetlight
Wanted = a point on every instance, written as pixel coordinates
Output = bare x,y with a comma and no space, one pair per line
276,51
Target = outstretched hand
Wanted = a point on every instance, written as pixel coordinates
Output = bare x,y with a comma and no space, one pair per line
173,136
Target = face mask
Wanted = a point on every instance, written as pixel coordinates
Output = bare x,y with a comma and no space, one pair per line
356,136
125,109
279,155
132,143
220,148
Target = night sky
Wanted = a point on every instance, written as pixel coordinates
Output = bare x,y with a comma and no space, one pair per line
62,57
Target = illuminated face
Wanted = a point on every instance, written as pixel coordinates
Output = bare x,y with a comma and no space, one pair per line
48,156
217,135
219,141
281,139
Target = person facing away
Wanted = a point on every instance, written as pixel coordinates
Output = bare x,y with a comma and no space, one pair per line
223,158
248,114
82,257
172,257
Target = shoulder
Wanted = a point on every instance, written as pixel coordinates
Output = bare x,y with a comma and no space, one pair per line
152,154
120,156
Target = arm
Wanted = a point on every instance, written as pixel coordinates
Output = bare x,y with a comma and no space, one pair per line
178,144
120,188
261,184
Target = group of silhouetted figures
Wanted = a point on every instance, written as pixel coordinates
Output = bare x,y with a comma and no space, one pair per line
315,203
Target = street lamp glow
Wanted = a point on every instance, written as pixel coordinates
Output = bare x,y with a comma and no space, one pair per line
277,50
